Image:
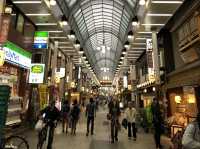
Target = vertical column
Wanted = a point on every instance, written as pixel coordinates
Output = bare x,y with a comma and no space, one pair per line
2,4
156,57
62,81
54,62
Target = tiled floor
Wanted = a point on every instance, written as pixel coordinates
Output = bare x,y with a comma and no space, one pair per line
100,140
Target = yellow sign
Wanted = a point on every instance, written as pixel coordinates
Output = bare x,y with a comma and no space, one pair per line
2,57
43,96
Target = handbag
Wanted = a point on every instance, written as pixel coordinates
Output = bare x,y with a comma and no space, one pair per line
125,123
108,116
39,125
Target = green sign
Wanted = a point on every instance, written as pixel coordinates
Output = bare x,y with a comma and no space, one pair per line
17,49
41,34
37,69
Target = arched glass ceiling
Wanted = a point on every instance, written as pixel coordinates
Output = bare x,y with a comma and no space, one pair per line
101,23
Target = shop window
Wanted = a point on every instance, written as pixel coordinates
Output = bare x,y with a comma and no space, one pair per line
20,23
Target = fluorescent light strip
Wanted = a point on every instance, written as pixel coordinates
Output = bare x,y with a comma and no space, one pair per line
139,48
66,47
38,14
144,32
54,31
138,43
153,24
166,2
64,42
140,38
27,2
159,15
58,37
46,24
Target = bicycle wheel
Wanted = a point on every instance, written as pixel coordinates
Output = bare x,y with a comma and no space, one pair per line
41,138
16,142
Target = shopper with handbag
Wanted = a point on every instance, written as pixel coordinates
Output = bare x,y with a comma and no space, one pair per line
130,115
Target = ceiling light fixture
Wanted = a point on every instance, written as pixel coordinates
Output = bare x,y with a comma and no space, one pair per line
124,51
142,2
64,20
52,2
126,45
81,51
72,35
135,21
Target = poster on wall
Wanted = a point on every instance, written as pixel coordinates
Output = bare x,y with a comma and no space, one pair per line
36,75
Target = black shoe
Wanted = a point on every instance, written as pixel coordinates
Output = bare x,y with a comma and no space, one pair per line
112,141
92,133
116,139
87,134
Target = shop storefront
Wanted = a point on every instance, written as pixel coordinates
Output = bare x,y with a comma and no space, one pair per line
14,73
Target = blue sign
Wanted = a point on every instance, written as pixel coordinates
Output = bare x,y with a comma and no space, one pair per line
40,46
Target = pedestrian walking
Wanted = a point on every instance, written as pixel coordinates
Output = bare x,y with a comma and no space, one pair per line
191,136
158,122
114,114
75,113
130,115
65,115
90,114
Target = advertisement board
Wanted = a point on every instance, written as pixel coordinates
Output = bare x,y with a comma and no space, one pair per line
36,75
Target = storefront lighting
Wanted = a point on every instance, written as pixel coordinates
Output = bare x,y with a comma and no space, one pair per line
154,89
145,90
46,24
135,21
142,2
178,99
8,10
52,2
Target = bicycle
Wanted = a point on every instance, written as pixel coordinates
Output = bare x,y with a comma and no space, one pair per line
44,134
15,142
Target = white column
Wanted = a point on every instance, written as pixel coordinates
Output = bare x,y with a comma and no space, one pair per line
156,57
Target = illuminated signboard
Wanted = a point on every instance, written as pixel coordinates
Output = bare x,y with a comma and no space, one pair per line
36,75
41,40
16,55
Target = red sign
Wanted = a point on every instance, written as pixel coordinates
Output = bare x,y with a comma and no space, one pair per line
4,27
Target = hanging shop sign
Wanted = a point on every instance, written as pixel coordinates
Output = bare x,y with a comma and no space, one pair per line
41,40
36,75
60,72
17,55
2,57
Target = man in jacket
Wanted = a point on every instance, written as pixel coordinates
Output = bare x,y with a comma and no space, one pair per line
130,114
114,112
90,114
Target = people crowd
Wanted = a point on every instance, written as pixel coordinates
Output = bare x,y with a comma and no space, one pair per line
117,117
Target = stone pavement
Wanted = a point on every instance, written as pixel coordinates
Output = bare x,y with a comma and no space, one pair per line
100,140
